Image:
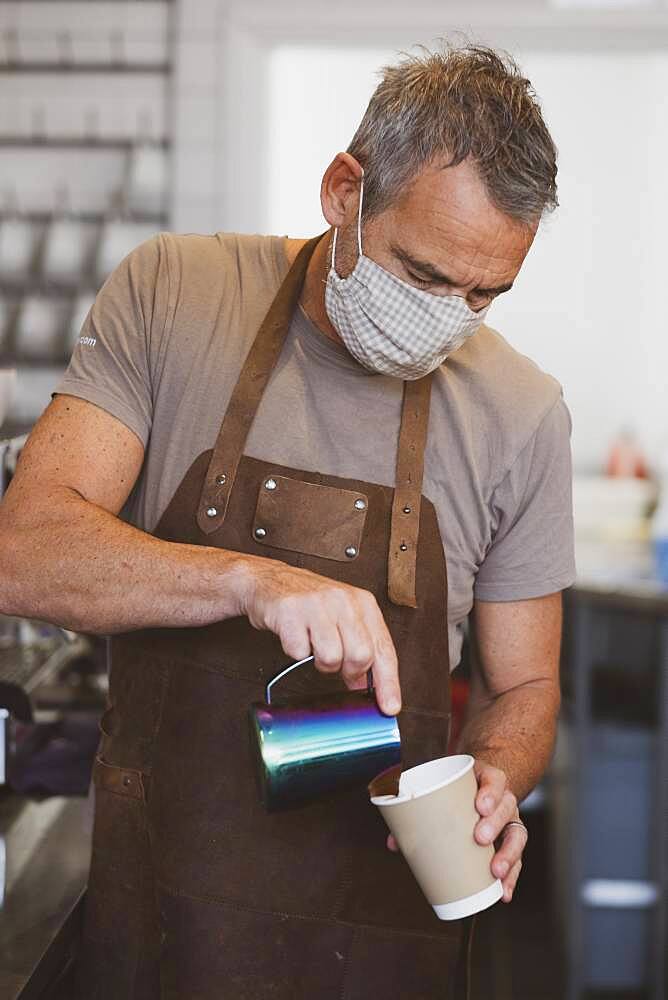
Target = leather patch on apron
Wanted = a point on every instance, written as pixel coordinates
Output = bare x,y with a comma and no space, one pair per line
313,520
119,780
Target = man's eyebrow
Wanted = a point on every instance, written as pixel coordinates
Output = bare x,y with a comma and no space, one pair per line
423,266
435,274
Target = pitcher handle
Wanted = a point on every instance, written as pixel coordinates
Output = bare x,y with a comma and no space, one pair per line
301,663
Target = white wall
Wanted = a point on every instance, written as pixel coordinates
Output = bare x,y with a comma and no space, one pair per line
588,305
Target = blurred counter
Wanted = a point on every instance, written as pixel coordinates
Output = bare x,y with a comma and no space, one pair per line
48,741
44,858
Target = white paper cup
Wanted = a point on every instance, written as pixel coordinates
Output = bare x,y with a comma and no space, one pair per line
432,819
7,387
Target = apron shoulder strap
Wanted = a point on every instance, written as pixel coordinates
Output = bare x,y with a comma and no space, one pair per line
244,403
405,526
247,394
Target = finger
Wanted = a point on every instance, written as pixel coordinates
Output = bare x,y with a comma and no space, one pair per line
385,666
490,827
510,852
492,784
295,640
357,651
326,645
510,882
392,844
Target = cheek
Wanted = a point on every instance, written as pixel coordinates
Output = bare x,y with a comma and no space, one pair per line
346,250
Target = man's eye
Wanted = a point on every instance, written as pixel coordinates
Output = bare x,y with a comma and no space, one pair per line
420,282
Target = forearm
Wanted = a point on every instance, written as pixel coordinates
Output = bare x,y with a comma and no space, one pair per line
75,564
515,731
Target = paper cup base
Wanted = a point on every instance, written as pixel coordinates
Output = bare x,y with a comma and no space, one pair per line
470,904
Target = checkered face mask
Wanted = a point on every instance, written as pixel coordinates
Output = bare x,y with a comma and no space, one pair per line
391,327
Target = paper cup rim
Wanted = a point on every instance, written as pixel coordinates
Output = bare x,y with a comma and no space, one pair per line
393,800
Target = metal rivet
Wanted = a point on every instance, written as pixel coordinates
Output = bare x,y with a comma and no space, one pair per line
127,780
221,479
360,504
407,510
260,533
403,547
351,551
270,484
211,511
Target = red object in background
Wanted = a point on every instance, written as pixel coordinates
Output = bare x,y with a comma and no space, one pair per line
626,457
459,695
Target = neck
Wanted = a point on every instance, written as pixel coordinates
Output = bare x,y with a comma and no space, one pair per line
312,299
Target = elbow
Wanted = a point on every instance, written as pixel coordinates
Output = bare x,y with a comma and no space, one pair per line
10,575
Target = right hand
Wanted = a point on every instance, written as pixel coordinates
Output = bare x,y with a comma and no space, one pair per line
340,625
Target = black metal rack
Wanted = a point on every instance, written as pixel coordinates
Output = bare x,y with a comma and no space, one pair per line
29,290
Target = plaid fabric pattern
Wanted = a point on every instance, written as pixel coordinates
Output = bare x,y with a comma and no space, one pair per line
391,327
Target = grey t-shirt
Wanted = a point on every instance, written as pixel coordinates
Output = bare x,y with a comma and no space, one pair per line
163,346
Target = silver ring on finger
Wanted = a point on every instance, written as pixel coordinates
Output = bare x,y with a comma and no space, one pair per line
516,822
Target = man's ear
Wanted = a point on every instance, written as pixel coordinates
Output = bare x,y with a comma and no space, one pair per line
339,191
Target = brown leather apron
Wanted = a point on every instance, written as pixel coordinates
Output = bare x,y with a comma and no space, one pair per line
196,893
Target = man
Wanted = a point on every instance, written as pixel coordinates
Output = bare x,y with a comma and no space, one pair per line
298,435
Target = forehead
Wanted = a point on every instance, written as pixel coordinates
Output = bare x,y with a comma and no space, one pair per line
447,218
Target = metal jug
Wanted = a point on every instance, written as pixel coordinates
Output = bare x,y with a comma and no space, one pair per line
311,746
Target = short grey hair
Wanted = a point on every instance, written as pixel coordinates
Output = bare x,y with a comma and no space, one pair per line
449,105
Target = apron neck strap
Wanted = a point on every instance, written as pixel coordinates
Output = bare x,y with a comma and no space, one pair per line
247,394
405,525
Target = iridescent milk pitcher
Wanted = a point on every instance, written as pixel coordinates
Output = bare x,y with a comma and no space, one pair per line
310,746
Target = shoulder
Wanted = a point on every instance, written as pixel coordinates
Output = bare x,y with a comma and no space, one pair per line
506,381
507,385
208,259
504,397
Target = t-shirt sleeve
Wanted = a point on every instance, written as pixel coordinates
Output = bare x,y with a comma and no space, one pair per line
532,548
111,362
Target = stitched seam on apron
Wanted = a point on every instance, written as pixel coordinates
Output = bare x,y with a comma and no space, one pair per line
336,921
173,661
346,967
166,681
252,681
426,713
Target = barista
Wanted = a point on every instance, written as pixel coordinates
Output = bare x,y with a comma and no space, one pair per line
353,366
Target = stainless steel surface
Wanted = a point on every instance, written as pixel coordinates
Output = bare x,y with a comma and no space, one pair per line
4,738
351,551
10,449
310,746
46,851
31,654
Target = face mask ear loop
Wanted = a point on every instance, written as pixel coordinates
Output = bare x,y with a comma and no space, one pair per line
333,260
359,216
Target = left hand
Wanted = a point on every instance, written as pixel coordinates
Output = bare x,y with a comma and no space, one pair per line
497,806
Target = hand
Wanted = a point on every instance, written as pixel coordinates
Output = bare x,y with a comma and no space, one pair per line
342,626
497,806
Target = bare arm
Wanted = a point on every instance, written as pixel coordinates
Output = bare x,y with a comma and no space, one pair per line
67,558
515,697
512,717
